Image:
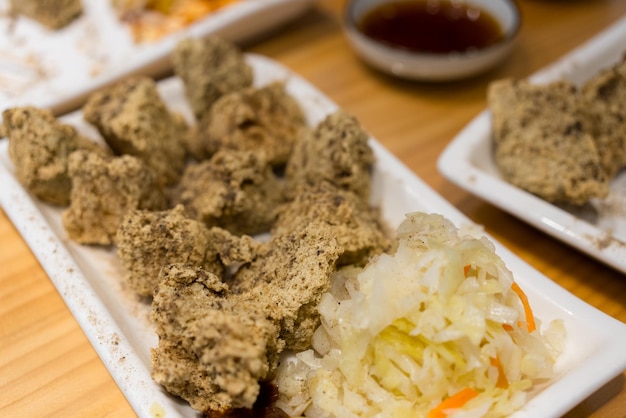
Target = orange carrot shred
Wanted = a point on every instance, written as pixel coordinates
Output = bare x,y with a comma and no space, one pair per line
507,327
466,269
530,318
453,402
502,382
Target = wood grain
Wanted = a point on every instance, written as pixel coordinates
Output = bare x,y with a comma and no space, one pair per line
48,367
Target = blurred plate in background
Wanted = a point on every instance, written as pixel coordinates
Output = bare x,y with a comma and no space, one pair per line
58,68
598,228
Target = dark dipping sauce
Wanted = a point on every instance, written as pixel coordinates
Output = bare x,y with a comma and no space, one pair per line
438,27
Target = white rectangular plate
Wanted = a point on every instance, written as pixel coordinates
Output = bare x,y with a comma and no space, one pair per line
598,229
58,69
117,324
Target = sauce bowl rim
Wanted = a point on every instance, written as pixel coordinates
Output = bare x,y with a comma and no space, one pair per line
509,34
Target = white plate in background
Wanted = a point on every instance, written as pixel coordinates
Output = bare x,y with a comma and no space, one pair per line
599,228
118,326
58,68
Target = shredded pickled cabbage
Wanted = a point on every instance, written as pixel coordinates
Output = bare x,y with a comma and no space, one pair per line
436,317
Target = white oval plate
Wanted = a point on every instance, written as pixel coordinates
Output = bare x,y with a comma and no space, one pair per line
90,279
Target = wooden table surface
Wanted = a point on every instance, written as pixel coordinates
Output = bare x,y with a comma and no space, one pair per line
47,365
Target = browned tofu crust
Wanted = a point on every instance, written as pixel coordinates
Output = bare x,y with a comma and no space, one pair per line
236,190
209,69
213,348
357,227
216,342
265,119
542,141
104,190
605,107
149,240
335,151
55,14
39,147
133,119
559,141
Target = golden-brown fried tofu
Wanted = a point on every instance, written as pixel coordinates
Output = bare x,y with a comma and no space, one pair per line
264,120
604,98
209,69
133,120
55,14
336,151
235,190
104,190
216,344
543,143
288,277
356,226
39,147
147,241
213,348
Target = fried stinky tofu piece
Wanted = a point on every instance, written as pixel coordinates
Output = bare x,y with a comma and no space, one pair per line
235,190
517,105
264,120
55,14
133,119
604,97
542,141
209,69
288,276
149,240
337,151
104,190
358,228
213,352
214,347
39,147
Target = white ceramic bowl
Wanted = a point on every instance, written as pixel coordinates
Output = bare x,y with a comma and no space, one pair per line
432,66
